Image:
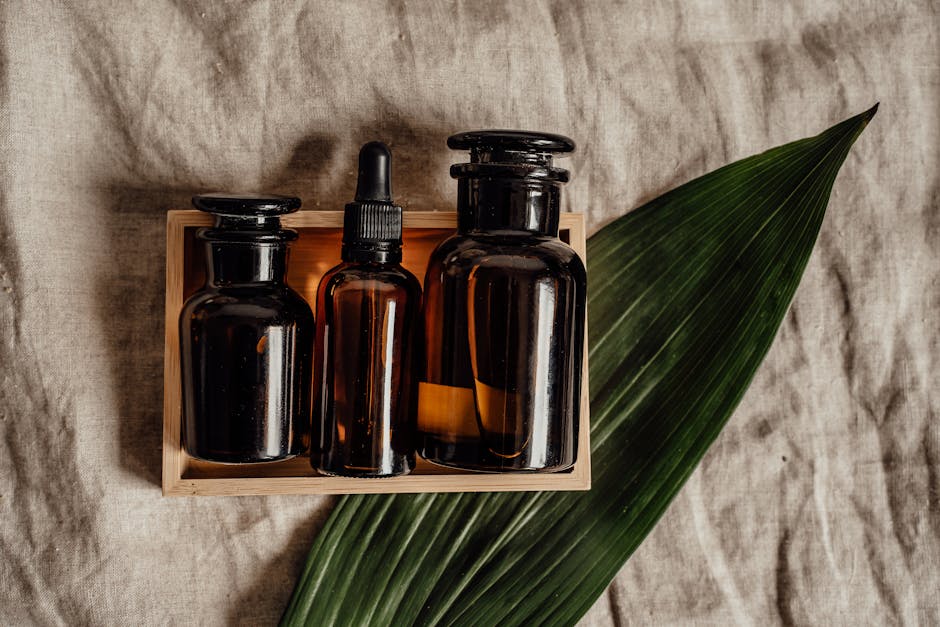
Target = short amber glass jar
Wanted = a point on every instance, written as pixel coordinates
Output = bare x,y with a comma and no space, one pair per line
246,338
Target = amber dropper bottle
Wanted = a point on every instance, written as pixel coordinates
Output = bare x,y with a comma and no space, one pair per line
367,321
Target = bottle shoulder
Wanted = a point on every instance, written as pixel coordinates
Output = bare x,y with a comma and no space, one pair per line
470,250
352,276
279,301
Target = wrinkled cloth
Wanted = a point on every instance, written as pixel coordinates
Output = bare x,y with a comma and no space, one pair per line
819,503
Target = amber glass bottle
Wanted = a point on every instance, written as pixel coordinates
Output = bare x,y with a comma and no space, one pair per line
246,338
504,315
367,326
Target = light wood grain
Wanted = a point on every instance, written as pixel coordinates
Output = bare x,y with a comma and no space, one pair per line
312,255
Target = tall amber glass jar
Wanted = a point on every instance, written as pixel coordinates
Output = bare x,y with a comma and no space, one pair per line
504,315
246,338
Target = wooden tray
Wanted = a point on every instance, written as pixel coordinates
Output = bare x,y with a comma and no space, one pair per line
316,251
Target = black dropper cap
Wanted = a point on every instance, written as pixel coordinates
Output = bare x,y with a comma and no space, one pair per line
372,224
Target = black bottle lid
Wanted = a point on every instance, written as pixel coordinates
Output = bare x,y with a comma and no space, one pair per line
246,217
246,205
372,223
510,154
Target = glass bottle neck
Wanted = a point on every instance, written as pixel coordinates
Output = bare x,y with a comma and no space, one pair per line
508,204
384,253
236,263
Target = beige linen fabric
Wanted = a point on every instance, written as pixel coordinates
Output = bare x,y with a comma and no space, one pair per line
820,503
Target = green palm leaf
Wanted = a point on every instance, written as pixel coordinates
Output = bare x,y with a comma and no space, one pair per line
686,294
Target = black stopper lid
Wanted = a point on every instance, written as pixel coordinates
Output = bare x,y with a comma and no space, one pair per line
509,140
372,223
246,205
511,154
247,218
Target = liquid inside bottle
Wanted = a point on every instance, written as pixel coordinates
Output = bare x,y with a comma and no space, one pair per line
366,328
517,329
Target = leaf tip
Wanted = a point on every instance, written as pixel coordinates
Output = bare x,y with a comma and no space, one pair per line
856,124
862,120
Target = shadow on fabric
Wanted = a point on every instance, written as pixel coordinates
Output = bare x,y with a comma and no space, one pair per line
130,300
